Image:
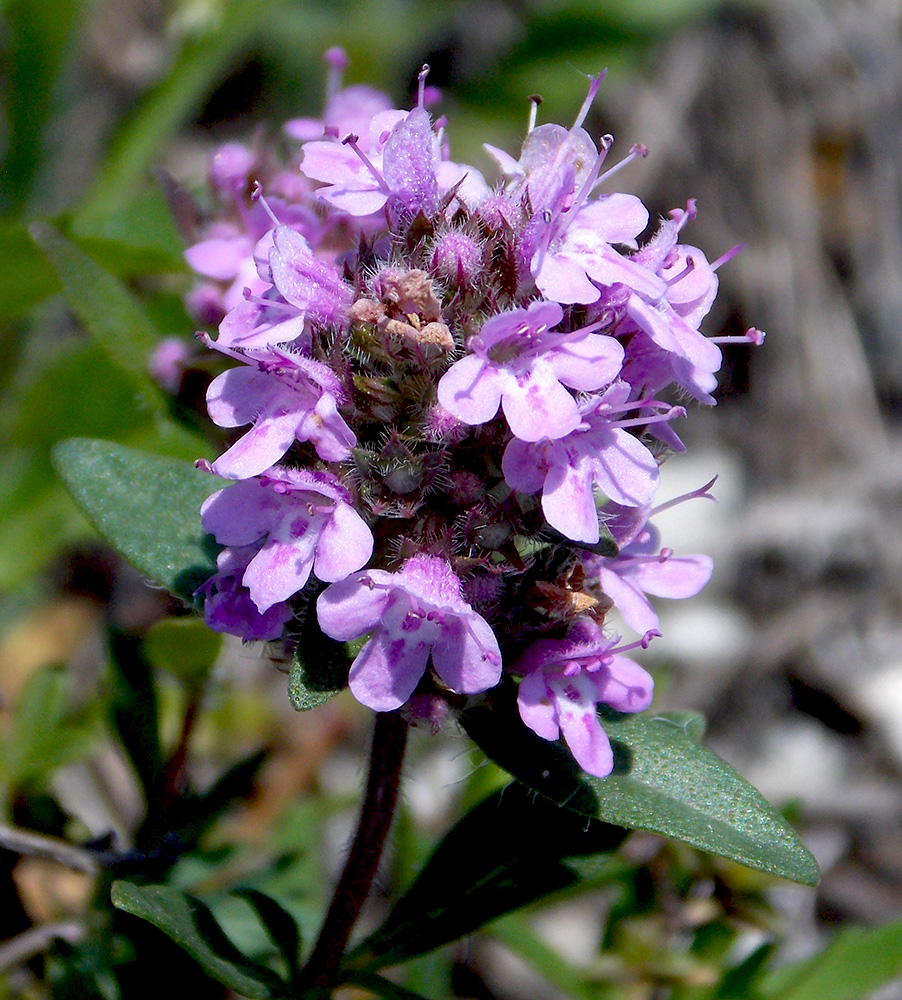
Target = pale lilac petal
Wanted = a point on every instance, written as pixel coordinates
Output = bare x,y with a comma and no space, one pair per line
623,685
575,699
521,466
259,449
625,470
387,669
674,577
279,571
220,259
537,406
471,390
240,514
672,333
615,218
694,291
352,607
563,280
467,657
611,268
587,364
334,163
506,163
345,544
629,600
536,708
354,202
472,189
569,503
326,429
238,395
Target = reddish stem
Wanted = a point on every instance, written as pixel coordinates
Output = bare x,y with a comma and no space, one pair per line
376,814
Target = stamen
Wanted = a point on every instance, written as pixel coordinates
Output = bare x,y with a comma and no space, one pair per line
337,60
637,149
594,84
655,418
534,101
688,269
606,141
751,336
421,88
271,304
635,404
695,494
683,215
207,341
644,642
728,256
546,240
352,140
257,195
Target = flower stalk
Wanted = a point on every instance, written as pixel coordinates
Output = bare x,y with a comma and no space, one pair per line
376,815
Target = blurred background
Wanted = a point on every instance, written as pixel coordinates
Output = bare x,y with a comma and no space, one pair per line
784,120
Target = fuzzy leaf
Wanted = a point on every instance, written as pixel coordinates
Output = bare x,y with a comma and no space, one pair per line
191,925
281,927
145,506
662,781
474,875
102,303
319,668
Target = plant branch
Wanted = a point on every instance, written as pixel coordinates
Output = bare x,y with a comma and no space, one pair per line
38,845
376,814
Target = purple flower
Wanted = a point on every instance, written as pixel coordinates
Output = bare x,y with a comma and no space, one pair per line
288,398
517,363
552,158
304,290
600,450
228,606
642,567
300,521
564,681
417,613
573,255
399,168
227,254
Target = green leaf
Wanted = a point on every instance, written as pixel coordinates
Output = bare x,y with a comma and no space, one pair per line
139,237
46,732
319,667
185,647
515,931
510,850
25,278
662,781
131,244
380,987
146,506
109,312
280,925
856,963
196,813
36,36
134,709
191,925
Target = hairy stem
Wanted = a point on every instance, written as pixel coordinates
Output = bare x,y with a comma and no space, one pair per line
377,811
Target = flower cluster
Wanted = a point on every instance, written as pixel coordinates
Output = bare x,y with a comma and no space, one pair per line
451,402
